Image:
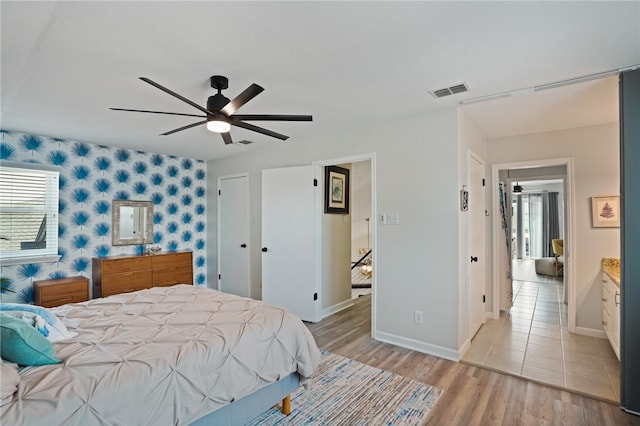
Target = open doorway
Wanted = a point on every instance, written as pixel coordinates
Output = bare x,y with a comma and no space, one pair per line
361,238
336,294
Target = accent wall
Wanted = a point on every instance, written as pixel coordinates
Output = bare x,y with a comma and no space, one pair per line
91,177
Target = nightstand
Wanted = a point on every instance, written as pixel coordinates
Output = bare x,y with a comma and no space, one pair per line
51,293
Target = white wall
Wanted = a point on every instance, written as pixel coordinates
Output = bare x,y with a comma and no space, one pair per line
596,153
336,262
417,260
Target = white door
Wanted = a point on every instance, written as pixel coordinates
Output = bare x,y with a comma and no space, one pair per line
477,245
233,235
289,220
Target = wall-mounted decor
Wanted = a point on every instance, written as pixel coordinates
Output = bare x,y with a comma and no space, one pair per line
464,199
336,190
606,212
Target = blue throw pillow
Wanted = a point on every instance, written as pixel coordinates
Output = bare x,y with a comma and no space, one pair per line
56,330
23,344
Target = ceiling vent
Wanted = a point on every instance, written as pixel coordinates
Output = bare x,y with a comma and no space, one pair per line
451,90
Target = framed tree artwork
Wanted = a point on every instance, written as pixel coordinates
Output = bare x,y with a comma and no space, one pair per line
606,212
336,190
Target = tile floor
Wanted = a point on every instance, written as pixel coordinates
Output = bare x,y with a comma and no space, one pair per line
531,340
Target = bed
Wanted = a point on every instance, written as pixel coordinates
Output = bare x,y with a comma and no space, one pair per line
176,355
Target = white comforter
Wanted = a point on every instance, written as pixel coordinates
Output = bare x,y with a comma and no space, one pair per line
166,355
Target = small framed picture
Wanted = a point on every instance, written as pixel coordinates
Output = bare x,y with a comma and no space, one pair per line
606,212
336,190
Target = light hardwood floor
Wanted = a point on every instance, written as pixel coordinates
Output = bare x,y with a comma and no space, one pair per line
473,395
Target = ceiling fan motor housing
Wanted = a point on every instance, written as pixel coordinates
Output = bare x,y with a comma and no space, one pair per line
216,102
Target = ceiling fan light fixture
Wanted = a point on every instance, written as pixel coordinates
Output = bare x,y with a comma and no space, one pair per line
218,126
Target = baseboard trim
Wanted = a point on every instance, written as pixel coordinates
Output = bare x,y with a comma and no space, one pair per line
415,345
591,332
336,308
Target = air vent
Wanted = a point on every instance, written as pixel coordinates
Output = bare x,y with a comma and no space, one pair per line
451,90
245,142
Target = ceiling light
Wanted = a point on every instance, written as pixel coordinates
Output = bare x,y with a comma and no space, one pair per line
218,126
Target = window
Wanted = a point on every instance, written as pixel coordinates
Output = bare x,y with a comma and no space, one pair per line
28,213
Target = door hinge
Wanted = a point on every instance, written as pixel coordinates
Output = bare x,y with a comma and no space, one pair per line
219,192
315,296
482,181
219,276
484,298
315,182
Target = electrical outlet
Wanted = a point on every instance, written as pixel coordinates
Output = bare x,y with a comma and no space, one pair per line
417,317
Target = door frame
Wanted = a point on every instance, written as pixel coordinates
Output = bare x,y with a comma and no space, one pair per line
570,229
248,251
371,157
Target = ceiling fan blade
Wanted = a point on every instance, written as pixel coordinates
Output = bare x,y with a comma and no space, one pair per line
188,126
272,117
172,93
226,137
158,112
244,97
258,129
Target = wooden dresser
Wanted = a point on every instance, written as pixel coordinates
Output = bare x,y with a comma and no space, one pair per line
124,274
56,292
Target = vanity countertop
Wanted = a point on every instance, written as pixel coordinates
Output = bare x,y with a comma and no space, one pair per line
611,266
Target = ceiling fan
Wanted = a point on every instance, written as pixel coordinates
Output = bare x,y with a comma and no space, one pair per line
219,115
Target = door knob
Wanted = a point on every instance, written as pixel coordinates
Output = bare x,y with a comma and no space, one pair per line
264,249
474,258
243,245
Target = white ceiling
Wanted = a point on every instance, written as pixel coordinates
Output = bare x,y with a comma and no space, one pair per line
349,64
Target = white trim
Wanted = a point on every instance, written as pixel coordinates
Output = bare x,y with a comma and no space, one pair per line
570,230
591,332
336,308
248,256
416,345
28,259
371,157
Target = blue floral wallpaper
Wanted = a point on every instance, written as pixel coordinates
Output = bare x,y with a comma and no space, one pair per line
91,176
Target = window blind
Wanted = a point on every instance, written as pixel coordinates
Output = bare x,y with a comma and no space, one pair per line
28,212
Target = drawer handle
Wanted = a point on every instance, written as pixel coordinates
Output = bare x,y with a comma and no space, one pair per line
617,298
604,299
604,322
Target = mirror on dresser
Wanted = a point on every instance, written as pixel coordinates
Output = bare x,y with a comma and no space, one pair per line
132,222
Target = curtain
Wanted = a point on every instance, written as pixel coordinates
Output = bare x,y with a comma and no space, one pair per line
553,223
536,226
544,224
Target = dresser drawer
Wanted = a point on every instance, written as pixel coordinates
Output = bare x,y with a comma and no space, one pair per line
174,275
171,259
128,264
125,282
56,292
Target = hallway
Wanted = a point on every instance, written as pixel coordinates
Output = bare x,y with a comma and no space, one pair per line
531,340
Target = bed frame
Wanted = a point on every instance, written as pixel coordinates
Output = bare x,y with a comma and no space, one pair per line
251,406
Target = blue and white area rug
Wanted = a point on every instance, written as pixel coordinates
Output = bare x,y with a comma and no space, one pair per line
347,392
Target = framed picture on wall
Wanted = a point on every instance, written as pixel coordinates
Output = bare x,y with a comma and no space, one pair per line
606,212
336,190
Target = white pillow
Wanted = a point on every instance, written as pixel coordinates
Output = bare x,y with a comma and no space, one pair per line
55,329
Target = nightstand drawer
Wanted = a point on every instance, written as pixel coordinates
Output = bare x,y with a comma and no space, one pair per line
51,293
